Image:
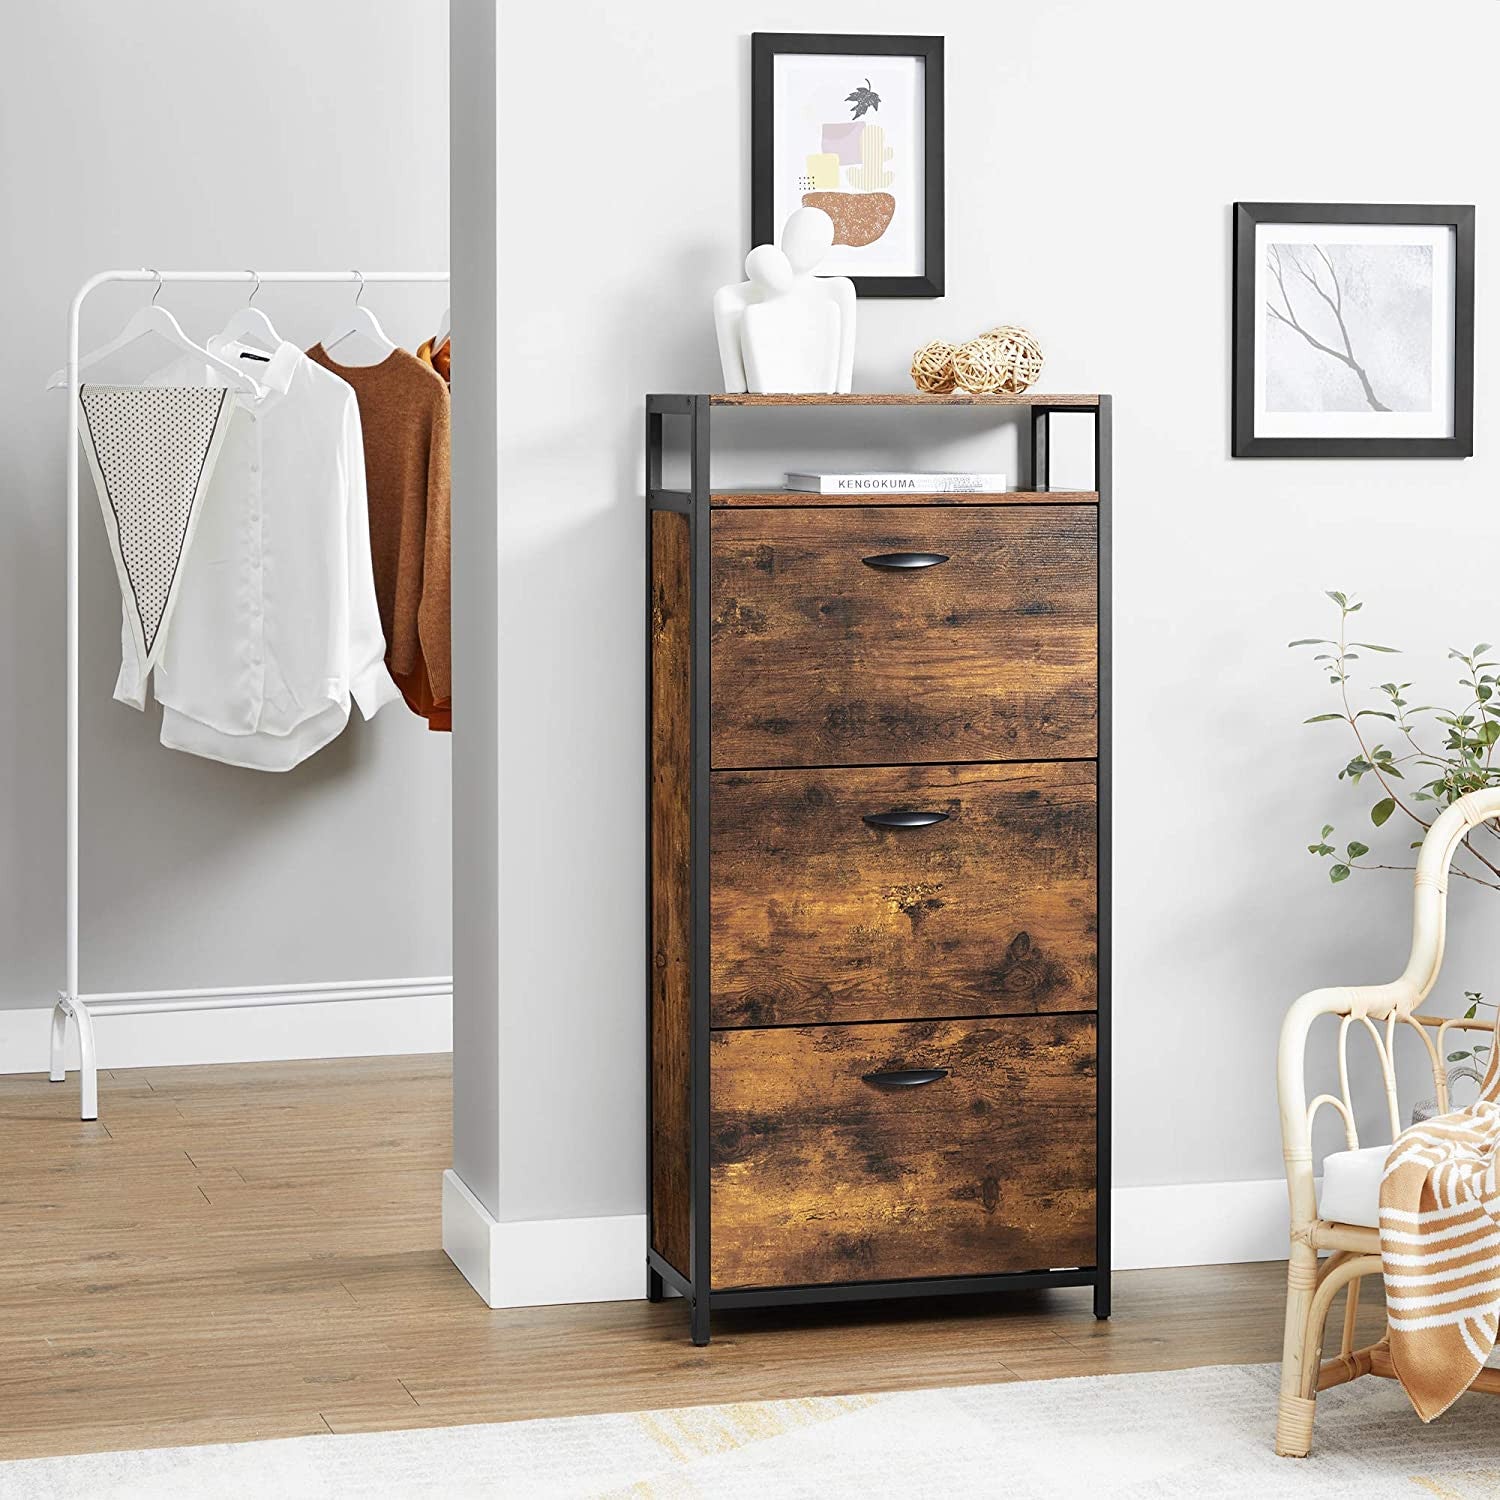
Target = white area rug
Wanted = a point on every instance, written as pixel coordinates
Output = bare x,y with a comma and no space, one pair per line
1187,1433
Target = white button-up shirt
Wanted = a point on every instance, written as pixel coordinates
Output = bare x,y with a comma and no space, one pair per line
275,626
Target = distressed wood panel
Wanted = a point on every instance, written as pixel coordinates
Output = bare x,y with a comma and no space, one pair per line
671,885
820,1177
819,659
819,917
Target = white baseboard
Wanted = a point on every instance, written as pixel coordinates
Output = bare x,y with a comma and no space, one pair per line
347,1028
1199,1224
540,1262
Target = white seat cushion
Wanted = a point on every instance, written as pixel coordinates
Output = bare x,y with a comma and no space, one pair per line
1351,1186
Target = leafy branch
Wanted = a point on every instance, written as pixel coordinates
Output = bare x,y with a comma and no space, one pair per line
1463,762
1441,754
1476,1051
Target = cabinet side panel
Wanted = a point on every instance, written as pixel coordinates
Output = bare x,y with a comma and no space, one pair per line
671,888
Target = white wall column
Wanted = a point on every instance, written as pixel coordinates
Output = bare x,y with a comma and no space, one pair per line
515,1219
473,1184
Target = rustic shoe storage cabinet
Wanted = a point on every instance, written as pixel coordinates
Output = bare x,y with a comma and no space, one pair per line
877,892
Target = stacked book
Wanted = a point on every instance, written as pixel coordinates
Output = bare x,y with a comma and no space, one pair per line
895,482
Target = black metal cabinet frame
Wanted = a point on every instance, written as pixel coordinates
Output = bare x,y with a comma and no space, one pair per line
695,502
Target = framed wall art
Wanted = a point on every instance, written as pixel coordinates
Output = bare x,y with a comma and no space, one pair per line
853,125
1353,330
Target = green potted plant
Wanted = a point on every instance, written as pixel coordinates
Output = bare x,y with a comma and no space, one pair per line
1416,759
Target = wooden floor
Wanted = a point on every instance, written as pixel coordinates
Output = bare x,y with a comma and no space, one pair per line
250,1252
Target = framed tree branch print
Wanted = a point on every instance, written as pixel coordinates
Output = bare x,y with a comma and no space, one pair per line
1353,330
853,125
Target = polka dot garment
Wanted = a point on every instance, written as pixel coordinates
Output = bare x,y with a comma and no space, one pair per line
150,449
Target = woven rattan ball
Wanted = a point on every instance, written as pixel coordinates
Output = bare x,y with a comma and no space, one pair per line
978,367
1019,355
932,368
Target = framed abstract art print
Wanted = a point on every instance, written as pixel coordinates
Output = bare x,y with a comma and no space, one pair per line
853,125
1353,330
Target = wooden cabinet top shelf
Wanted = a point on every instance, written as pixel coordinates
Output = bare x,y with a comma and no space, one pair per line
764,498
667,403
907,398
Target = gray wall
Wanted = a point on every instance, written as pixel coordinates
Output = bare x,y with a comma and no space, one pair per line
1094,149
476,606
170,132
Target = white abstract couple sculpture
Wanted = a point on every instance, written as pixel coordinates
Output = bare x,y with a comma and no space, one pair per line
787,329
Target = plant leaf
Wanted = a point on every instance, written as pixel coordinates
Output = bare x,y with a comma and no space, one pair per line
1324,718
1382,810
1356,849
1338,873
863,99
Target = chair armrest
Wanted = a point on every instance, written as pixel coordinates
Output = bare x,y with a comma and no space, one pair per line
1392,1003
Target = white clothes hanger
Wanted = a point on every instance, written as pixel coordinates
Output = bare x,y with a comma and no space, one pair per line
152,319
250,325
360,323
445,329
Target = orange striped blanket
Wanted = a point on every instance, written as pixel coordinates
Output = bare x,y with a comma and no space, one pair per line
1440,1249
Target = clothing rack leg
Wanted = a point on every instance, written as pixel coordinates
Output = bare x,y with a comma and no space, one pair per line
87,1077
59,1070
88,1065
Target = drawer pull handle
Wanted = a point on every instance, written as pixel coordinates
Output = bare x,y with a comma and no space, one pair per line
904,1078
896,819
900,561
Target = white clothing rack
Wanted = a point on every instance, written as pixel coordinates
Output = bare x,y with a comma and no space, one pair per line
71,1003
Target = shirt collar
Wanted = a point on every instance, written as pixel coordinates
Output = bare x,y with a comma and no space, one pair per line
284,362
274,375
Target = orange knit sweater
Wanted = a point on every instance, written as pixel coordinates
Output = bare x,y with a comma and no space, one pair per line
403,408
441,358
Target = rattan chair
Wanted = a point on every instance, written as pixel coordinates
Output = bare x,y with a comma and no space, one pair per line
1347,1225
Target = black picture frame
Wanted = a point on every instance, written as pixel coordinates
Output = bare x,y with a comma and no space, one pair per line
1244,441
765,47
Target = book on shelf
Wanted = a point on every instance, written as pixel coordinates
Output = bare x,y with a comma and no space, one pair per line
894,481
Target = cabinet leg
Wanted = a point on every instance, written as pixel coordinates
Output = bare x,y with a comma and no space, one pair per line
654,1286
1101,1296
699,1317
